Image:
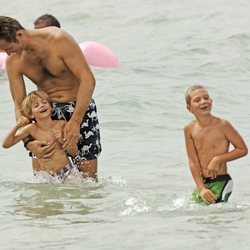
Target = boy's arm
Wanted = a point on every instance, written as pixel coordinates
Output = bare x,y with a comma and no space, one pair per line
193,161
15,135
195,168
240,148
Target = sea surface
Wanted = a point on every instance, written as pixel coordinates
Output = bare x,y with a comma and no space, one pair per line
142,199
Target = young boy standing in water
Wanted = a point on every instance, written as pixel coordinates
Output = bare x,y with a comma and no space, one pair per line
207,143
36,107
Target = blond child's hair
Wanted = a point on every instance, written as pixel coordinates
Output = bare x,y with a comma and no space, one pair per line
190,90
26,105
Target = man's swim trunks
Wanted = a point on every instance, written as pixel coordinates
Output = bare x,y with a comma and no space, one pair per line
89,145
221,186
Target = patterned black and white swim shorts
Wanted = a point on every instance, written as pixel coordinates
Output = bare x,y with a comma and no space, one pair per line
89,144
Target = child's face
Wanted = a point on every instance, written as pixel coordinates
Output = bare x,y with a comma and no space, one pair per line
200,102
40,108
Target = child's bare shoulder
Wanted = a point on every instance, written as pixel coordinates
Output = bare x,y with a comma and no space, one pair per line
60,123
222,122
190,125
29,126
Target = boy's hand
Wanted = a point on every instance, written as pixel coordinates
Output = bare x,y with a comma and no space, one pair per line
213,167
207,196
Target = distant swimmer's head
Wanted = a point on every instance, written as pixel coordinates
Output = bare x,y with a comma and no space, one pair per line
45,21
36,102
11,33
198,100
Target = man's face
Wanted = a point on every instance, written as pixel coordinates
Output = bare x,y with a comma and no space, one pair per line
9,47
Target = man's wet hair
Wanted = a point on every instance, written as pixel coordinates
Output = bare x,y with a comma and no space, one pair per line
8,28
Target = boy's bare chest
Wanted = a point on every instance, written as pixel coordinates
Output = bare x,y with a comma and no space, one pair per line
42,135
208,137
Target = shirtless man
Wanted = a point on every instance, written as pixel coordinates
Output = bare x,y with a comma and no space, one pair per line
52,60
207,143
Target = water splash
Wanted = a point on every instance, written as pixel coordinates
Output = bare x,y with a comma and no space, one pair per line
135,206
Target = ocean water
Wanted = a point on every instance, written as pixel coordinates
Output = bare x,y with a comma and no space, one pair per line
142,199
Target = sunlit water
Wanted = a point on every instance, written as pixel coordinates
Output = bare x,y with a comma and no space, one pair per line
142,199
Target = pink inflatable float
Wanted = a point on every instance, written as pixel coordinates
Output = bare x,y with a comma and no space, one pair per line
3,57
96,54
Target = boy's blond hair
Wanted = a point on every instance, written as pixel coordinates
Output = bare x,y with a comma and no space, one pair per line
30,98
190,90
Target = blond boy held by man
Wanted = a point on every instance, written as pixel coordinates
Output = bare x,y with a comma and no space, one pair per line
208,139
36,122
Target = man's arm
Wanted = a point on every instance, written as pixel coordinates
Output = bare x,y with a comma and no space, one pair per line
73,58
72,149
16,83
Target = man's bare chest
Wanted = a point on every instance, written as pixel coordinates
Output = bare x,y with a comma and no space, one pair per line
42,68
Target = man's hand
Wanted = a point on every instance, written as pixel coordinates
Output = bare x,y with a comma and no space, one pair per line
22,121
207,196
71,134
59,136
41,149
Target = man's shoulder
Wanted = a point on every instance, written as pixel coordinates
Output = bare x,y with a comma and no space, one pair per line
13,59
53,33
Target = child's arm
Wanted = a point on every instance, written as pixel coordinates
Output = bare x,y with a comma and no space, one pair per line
240,148
17,133
195,168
